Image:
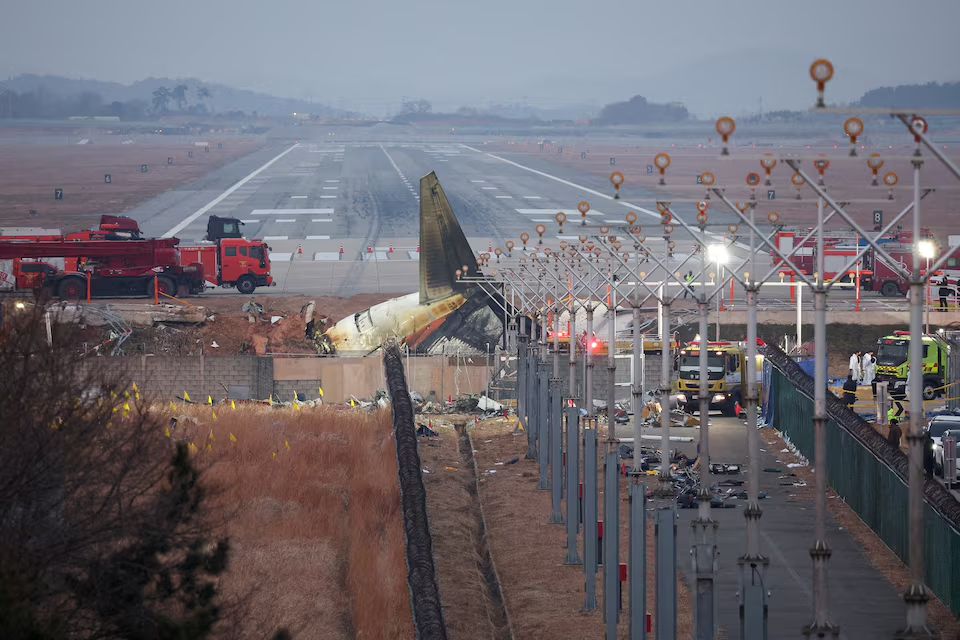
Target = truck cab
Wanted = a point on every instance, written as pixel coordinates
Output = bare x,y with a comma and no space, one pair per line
893,355
726,368
244,263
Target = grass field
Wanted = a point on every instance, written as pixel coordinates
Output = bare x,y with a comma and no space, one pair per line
311,502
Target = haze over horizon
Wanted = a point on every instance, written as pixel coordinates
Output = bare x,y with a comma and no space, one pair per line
369,54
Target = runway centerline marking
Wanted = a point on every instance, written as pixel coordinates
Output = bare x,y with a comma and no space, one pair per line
322,220
478,181
288,212
298,197
274,237
504,197
318,237
286,220
331,181
489,188
328,196
210,205
331,187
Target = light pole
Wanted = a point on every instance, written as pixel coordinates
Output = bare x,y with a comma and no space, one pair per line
486,373
927,250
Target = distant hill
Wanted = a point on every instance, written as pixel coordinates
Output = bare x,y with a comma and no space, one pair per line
932,95
217,98
637,110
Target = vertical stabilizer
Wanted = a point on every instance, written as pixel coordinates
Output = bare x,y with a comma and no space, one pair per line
443,247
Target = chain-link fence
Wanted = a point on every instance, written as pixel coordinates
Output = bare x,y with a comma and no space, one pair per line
870,475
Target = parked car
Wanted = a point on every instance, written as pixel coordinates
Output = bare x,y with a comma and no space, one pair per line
937,427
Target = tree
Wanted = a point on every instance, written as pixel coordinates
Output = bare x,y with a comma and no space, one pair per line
179,94
638,111
415,106
104,531
161,98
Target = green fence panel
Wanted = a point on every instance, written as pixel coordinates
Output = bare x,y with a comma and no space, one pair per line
874,490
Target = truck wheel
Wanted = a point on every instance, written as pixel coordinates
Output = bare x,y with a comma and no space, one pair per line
928,390
164,284
246,285
890,289
72,289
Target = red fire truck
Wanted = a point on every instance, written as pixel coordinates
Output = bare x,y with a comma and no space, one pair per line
114,260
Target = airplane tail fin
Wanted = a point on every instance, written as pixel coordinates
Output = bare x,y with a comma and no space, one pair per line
443,247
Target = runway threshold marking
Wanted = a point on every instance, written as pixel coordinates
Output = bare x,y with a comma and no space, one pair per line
210,205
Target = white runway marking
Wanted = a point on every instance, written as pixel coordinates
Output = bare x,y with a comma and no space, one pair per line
298,197
210,205
331,187
400,173
326,256
478,181
286,220
318,237
331,181
652,214
274,237
531,197
552,212
489,188
287,212
322,220
504,197
328,196
249,221
280,257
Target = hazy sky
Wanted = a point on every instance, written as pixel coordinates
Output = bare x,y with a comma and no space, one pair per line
716,56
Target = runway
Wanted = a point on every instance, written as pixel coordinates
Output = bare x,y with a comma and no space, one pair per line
342,217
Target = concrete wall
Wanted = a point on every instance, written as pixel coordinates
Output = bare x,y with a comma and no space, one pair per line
200,376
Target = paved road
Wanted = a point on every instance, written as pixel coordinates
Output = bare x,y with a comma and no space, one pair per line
861,601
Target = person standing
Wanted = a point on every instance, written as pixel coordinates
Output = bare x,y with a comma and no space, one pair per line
944,293
855,366
895,433
850,392
928,453
870,371
689,282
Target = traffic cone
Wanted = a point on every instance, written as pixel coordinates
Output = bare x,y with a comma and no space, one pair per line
369,249
490,247
418,247
341,248
299,249
390,250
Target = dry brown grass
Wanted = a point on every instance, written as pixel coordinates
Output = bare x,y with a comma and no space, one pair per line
313,510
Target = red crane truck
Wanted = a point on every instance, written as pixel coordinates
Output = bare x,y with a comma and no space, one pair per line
108,268
120,263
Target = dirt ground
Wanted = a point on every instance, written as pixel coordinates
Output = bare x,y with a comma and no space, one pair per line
30,174
543,596
229,328
847,179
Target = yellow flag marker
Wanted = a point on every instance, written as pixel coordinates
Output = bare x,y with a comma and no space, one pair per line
351,402
112,394
208,447
320,389
210,437
126,394
172,408
286,444
233,405
209,400
134,387
166,431
186,396
296,406
126,406
274,455
271,399
214,415
233,438
294,395
192,448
